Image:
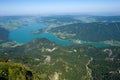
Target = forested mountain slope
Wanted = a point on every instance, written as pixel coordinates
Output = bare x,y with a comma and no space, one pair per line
94,32
55,62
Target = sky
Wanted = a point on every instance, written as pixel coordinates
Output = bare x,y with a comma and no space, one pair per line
44,7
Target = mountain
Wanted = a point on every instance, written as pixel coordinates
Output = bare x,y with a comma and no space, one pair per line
55,62
42,59
93,32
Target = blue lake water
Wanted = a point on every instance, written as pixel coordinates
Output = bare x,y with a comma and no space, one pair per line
24,35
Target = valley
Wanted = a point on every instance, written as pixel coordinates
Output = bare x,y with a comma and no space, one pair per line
60,47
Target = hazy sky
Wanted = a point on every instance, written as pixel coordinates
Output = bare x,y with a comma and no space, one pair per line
94,7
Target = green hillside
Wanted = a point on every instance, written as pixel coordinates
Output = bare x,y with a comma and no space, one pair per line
15,71
55,62
93,32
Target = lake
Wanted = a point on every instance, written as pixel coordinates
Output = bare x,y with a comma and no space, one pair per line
25,35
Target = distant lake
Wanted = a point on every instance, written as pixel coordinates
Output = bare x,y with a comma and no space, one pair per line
24,35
